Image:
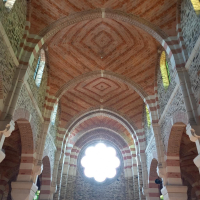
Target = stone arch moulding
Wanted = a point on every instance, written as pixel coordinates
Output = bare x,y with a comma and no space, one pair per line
89,114
101,129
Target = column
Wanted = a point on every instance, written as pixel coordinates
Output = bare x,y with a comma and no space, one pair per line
59,177
55,173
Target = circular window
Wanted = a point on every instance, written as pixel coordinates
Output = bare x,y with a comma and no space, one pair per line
100,162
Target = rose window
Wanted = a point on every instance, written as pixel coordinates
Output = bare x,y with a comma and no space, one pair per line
100,162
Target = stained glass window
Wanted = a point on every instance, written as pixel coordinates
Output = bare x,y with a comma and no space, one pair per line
39,69
164,70
196,6
148,117
53,114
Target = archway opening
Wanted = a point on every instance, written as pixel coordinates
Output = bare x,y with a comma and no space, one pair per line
9,167
189,171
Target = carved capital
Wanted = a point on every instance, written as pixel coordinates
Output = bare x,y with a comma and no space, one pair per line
9,128
193,132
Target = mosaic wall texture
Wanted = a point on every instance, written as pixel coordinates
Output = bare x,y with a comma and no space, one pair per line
14,22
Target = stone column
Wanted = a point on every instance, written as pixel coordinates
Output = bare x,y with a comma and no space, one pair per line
159,148
194,134
59,177
8,127
23,190
55,174
174,192
65,175
140,179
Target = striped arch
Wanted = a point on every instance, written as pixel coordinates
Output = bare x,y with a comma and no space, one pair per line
173,174
23,118
138,135
170,44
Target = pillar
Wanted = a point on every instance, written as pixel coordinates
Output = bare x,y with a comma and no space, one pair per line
174,192
23,190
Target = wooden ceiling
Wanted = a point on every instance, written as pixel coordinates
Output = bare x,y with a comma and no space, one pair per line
102,122
103,44
160,12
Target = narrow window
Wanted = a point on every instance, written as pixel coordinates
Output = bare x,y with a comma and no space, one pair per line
39,69
196,6
164,70
54,113
148,117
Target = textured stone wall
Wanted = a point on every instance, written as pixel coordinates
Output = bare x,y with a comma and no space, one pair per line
190,25
38,92
14,22
164,94
151,153
177,106
195,78
49,150
54,127
24,101
121,189
7,70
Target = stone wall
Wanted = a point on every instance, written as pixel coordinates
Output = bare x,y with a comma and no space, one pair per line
39,93
7,70
24,101
190,24
14,21
164,94
195,78
49,150
54,127
177,106
81,189
151,153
